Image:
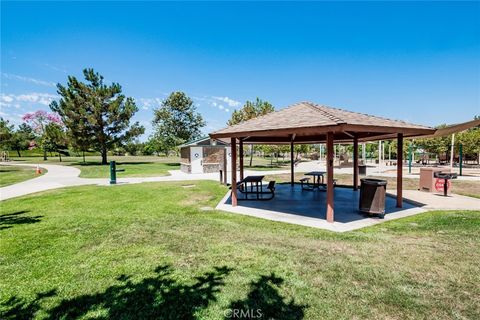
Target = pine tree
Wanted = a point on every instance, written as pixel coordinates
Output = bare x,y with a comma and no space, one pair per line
96,115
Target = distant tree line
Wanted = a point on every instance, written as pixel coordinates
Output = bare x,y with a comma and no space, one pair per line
95,116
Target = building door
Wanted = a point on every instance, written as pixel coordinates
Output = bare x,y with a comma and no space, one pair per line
196,158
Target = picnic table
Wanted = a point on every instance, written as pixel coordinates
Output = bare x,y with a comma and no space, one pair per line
316,179
253,180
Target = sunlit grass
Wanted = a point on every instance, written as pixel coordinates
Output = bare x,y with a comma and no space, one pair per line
13,174
155,250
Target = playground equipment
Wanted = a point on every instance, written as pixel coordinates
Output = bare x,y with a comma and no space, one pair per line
113,172
4,156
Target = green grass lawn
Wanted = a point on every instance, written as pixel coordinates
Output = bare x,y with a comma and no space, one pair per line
12,174
266,164
158,250
132,169
135,166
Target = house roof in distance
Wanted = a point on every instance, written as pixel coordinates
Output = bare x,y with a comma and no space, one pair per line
204,141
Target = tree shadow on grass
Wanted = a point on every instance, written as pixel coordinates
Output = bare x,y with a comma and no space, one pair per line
264,301
171,164
19,309
8,220
5,170
158,297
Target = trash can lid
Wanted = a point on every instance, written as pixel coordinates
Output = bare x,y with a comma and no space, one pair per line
377,182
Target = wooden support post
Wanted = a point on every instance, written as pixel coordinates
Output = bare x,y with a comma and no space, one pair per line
225,169
364,153
292,171
233,145
355,163
330,177
240,151
399,170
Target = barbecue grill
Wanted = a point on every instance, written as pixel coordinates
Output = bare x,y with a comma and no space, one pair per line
446,176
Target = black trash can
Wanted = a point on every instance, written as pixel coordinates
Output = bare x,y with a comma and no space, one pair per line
372,196
362,170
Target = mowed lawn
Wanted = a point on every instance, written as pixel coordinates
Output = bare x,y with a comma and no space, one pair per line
13,174
131,169
159,250
134,166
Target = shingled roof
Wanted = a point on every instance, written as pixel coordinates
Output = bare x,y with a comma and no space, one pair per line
309,122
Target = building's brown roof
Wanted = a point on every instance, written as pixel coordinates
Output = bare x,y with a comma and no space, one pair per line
309,121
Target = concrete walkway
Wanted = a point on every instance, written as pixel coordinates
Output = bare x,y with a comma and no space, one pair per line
436,201
56,177
59,176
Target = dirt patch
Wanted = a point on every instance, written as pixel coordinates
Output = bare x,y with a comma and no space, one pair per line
195,198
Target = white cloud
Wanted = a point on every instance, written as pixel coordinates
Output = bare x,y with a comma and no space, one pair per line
28,79
6,98
148,103
56,68
40,98
230,102
222,103
26,101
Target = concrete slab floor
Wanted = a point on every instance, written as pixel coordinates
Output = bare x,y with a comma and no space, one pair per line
308,208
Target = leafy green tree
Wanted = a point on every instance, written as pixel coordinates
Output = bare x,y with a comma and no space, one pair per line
438,146
470,140
302,148
80,137
251,110
148,149
134,148
21,139
175,122
6,134
55,139
96,115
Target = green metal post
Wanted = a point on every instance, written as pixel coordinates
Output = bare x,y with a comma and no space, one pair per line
113,172
410,158
460,157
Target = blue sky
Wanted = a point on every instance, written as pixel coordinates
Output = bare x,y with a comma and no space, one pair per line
418,62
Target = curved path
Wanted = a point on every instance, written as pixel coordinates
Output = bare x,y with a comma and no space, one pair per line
60,176
57,177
